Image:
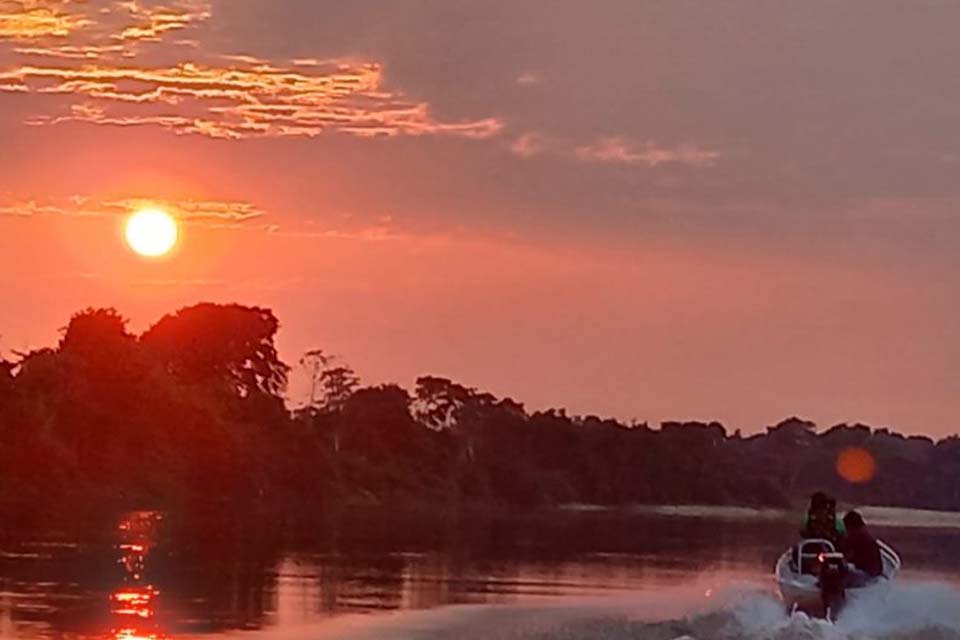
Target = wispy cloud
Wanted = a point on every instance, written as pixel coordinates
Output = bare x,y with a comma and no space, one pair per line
152,23
622,151
615,150
87,51
193,210
199,212
30,208
74,52
92,29
36,19
235,215
528,145
246,99
528,78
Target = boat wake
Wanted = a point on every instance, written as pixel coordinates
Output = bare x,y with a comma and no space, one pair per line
928,610
925,610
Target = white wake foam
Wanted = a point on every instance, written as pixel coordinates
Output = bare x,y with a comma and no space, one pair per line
923,610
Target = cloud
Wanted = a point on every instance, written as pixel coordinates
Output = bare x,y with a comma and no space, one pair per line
235,215
528,145
35,19
198,212
152,23
93,29
76,52
247,99
88,52
528,78
616,150
30,208
193,210
621,151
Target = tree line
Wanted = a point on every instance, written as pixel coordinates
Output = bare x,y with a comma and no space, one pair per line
191,414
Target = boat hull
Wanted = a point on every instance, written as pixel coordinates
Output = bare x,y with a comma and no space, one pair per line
802,591
808,599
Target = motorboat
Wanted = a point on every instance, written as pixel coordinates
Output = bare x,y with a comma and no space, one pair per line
810,577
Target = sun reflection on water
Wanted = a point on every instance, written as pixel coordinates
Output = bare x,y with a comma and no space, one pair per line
134,604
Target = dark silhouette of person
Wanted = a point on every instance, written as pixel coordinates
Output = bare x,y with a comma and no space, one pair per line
861,550
821,519
820,523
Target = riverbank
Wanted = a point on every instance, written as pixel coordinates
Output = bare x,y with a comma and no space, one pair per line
877,516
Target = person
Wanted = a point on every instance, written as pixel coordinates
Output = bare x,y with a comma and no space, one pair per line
821,521
860,548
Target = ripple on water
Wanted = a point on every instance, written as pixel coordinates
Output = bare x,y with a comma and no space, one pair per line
924,611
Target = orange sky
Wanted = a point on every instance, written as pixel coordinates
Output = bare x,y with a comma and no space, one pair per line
660,211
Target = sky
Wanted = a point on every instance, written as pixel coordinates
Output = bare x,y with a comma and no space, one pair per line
739,211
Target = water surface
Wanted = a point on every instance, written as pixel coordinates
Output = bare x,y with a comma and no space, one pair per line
575,574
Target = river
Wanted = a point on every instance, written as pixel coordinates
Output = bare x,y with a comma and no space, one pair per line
578,574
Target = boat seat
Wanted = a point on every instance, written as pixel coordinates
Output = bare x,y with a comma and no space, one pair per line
805,579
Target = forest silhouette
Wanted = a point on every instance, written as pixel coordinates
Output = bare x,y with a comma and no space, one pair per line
191,415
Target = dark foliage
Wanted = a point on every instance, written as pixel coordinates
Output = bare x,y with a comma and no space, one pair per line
190,415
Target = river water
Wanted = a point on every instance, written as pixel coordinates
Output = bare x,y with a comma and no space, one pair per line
580,574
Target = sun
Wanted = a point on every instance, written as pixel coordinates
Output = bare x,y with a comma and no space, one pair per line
152,232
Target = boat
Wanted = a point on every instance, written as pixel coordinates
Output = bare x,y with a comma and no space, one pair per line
814,585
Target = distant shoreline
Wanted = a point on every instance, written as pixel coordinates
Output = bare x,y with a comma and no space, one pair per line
189,417
877,516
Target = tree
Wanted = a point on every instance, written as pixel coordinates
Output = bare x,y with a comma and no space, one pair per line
190,415
228,345
330,385
471,418
380,420
6,392
6,377
100,358
441,402
94,331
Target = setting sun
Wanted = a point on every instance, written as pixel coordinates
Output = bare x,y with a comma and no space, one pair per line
151,232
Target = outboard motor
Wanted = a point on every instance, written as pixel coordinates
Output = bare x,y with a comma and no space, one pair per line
833,574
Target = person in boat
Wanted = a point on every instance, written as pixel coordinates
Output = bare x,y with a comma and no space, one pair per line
861,550
821,520
821,523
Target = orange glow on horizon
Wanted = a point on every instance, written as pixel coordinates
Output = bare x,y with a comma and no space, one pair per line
856,465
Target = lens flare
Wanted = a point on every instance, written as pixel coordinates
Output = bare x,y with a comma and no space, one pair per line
856,465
